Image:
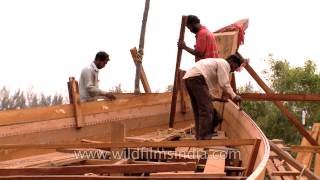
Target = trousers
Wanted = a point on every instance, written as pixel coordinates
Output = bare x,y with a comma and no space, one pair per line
201,105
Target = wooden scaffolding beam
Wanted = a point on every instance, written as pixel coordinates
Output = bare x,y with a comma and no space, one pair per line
279,97
281,107
175,88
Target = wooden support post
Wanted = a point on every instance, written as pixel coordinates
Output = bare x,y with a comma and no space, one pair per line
290,160
176,74
279,97
74,89
182,91
143,76
253,157
69,90
233,82
117,136
141,46
280,105
305,158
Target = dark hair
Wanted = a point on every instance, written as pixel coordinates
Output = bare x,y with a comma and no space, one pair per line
237,58
102,56
192,19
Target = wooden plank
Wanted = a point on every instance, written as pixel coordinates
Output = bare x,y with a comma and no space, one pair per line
239,124
187,175
182,88
185,143
317,160
101,169
215,162
285,173
306,157
283,165
227,43
294,121
309,149
143,76
290,160
76,102
279,165
96,132
44,160
117,136
89,108
279,97
216,165
161,135
175,88
253,157
270,169
78,177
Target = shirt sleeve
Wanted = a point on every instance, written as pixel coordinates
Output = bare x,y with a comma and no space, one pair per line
90,86
223,79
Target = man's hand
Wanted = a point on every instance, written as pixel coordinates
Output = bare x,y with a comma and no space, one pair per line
182,44
110,96
237,98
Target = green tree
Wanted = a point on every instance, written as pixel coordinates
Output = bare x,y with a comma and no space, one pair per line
285,79
20,100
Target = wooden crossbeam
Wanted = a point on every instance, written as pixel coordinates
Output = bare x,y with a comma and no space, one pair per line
101,169
311,149
279,97
185,143
281,107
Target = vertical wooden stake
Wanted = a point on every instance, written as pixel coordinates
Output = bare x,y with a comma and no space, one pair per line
176,75
182,91
141,46
75,99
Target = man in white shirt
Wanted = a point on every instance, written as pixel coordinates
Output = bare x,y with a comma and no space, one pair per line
207,75
89,81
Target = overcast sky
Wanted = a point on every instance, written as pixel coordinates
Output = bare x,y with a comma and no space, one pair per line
43,42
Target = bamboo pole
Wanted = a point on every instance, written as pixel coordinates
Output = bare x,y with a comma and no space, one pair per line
141,46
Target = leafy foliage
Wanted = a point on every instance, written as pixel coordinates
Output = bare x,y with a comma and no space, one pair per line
20,99
286,79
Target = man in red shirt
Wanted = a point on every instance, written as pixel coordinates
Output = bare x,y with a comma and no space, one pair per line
206,46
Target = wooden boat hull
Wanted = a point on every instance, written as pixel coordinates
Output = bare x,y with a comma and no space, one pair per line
139,114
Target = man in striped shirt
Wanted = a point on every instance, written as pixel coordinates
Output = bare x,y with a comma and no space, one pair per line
208,75
206,46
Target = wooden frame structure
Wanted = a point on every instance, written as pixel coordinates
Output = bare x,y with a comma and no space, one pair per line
83,126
